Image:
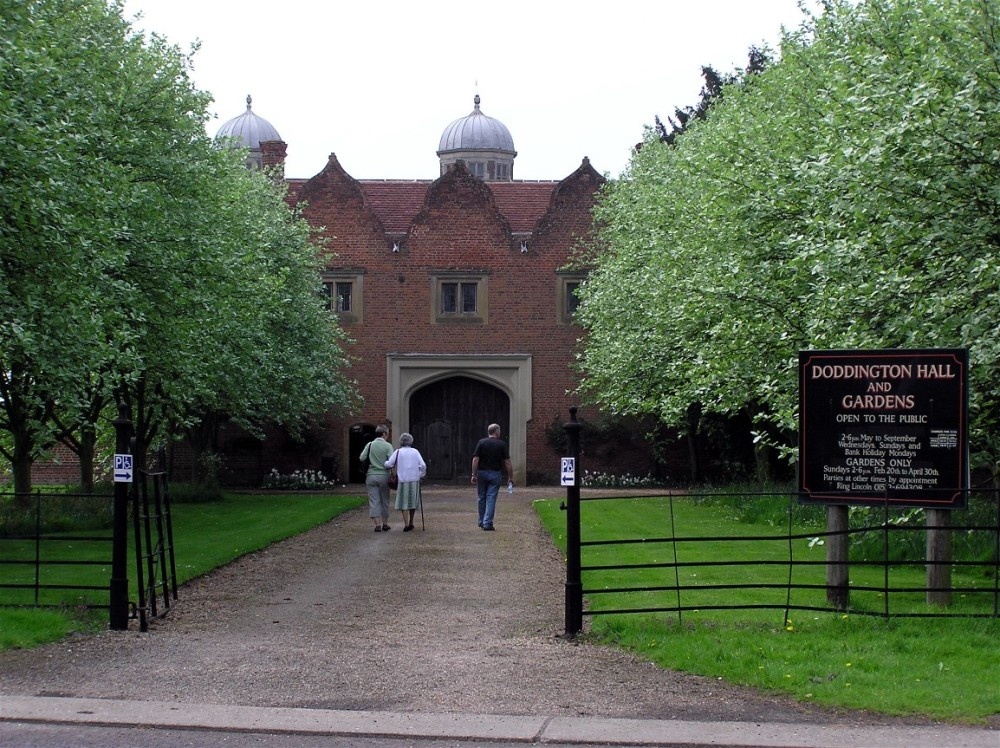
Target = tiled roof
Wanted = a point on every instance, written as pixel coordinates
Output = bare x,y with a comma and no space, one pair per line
397,203
523,203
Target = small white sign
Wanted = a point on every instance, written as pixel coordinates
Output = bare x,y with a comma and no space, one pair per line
568,471
123,468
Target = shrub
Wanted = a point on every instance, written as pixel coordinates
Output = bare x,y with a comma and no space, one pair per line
300,480
626,480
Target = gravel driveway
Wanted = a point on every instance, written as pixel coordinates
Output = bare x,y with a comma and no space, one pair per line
447,619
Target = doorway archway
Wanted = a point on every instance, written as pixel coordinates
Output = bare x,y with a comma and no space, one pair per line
407,373
448,416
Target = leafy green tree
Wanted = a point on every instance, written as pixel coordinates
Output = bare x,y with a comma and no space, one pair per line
141,263
757,59
846,196
55,240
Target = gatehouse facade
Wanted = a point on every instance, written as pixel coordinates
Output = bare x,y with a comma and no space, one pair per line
458,294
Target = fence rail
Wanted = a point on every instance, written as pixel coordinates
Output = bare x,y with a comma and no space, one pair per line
37,559
43,565
683,578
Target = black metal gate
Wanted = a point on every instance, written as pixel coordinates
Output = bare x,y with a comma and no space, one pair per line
580,571
153,535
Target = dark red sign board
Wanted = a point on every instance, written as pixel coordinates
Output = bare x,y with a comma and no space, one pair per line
884,427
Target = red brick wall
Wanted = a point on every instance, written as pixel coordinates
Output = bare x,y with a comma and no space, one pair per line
62,467
459,228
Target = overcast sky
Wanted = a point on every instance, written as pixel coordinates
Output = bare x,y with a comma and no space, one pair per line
377,81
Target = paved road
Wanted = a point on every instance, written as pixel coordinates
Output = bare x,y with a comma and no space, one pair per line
111,723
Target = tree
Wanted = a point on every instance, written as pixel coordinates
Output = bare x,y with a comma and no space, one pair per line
757,60
846,196
142,264
55,239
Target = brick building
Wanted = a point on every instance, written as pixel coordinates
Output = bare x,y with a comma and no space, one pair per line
456,293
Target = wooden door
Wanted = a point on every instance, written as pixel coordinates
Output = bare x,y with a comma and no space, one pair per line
448,417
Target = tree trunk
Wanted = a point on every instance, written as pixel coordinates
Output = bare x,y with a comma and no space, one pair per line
938,557
88,445
22,457
762,457
203,438
21,468
838,590
693,422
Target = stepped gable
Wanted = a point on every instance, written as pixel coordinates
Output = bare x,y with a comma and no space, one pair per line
579,188
336,200
459,189
397,203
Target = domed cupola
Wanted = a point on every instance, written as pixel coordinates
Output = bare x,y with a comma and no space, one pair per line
484,144
249,131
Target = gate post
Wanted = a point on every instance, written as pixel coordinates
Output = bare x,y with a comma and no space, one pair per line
574,583
838,589
119,549
939,557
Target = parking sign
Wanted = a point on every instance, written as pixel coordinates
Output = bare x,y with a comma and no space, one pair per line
568,471
123,468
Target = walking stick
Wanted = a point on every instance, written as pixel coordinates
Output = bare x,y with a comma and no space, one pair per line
423,527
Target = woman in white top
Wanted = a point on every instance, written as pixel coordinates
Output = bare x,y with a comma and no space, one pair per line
410,470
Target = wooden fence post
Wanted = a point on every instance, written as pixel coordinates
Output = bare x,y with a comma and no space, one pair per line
838,590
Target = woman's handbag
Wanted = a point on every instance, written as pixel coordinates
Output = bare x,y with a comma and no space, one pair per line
393,478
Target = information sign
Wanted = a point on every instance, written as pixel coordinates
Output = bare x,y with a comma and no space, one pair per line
123,468
884,426
568,471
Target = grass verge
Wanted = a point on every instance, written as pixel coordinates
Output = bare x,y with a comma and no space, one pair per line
944,668
206,536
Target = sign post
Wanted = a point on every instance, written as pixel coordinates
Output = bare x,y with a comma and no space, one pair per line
118,617
569,470
886,428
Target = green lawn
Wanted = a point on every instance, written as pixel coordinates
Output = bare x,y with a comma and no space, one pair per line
945,668
206,535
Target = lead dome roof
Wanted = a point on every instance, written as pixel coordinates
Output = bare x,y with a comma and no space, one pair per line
248,130
476,132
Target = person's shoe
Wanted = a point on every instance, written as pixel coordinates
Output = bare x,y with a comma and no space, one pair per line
386,528
488,528
407,528
378,529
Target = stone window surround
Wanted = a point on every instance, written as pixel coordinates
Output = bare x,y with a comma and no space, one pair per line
479,277
356,279
564,279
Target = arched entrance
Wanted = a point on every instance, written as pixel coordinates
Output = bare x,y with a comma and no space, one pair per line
508,373
448,417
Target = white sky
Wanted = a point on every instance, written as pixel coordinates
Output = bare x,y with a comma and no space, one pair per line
377,81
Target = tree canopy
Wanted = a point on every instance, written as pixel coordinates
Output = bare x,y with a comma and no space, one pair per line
846,196
140,262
